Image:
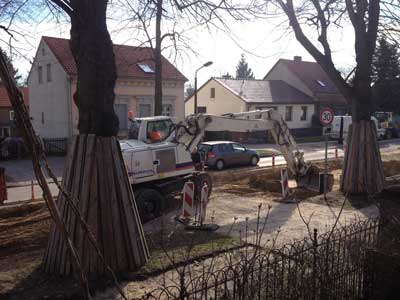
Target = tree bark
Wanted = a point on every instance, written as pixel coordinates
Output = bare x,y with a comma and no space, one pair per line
107,231
362,168
92,49
158,61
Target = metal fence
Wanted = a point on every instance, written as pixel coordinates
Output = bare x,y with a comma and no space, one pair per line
331,266
55,146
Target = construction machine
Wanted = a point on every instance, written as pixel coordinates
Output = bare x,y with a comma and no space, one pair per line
157,154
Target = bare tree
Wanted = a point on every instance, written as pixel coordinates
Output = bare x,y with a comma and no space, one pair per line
96,195
362,171
172,19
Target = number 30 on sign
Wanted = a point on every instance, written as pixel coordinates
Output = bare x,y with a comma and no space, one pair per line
326,116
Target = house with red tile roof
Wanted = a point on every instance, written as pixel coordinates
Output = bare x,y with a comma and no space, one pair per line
312,80
53,77
7,123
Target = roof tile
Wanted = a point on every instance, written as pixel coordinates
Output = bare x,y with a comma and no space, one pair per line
5,101
126,59
265,91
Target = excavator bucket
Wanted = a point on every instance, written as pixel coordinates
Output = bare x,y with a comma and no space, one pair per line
313,180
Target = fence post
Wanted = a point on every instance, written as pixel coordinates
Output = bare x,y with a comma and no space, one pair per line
32,191
315,253
182,289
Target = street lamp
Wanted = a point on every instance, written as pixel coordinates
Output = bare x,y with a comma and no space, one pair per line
209,63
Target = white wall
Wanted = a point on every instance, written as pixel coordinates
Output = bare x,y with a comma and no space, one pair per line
296,113
282,72
49,98
224,101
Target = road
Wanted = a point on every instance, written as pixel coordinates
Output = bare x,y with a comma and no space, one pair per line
312,151
315,151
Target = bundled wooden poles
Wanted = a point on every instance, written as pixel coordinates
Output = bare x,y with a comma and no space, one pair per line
362,168
96,180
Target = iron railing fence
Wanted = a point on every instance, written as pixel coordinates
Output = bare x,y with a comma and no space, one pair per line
331,266
55,146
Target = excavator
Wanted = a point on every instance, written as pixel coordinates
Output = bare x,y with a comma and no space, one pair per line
157,154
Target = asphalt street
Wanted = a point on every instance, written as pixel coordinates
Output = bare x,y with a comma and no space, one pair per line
21,173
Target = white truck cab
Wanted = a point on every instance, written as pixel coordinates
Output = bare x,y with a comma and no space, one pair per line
150,153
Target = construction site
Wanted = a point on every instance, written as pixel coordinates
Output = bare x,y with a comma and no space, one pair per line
238,202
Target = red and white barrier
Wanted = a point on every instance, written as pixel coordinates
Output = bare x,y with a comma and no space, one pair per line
285,183
32,190
203,203
188,200
336,153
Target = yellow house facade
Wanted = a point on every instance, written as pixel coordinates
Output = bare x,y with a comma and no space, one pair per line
226,95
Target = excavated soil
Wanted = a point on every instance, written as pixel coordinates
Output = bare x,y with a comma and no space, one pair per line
24,232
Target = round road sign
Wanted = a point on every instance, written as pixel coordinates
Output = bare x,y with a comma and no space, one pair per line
326,116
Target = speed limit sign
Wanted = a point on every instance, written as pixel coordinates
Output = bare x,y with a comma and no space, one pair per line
326,116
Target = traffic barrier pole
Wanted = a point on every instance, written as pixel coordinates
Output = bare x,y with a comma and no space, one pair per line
336,153
285,183
273,160
188,200
203,203
32,191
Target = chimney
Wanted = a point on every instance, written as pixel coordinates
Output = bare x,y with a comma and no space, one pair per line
297,58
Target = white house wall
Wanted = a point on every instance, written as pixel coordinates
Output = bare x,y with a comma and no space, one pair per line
281,72
225,101
296,113
48,105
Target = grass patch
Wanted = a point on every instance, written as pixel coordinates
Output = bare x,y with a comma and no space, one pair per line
183,245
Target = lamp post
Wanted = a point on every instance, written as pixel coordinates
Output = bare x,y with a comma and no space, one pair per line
209,63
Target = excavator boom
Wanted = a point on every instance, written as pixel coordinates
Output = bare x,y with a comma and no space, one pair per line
191,132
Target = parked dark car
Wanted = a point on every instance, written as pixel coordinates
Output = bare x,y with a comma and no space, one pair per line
220,154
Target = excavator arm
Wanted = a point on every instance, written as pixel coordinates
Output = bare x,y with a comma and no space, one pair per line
191,131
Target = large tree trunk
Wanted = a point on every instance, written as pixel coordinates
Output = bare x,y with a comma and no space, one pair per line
95,177
362,169
158,62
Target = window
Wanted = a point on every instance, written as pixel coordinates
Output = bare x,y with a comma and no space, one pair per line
266,107
157,131
167,110
303,116
121,110
145,68
42,117
144,110
238,148
212,93
40,74
48,69
288,113
134,129
202,109
12,115
5,132
224,148
321,83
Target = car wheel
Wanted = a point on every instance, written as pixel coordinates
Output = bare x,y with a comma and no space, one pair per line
149,203
254,160
220,164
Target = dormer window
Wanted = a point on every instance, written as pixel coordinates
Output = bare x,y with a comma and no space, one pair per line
145,68
321,83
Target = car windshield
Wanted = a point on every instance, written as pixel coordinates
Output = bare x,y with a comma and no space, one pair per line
134,129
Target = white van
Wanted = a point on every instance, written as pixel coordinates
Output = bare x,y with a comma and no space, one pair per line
335,127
